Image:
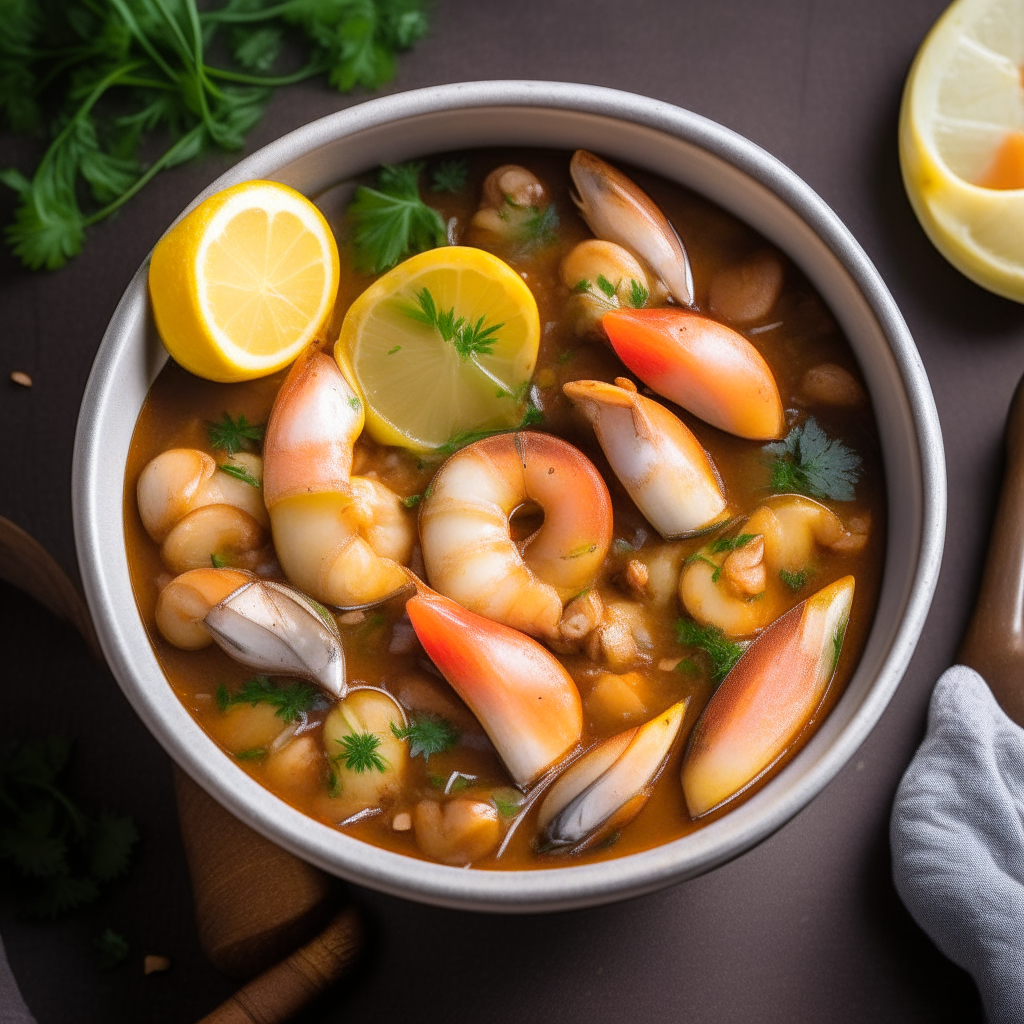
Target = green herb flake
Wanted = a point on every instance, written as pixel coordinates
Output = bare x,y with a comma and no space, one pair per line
427,735
469,339
698,557
721,652
392,351
581,286
218,561
566,356
794,580
359,752
449,176
507,802
689,666
412,500
391,221
252,754
809,462
583,549
292,700
240,473
235,435
606,286
638,294
541,227
112,949
837,642
720,544
354,403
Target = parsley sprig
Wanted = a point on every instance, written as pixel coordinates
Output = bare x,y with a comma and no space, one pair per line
721,652
427,734
449,176
235,435
359,752
809,462
292,699
239,473
100,78
57,855
470,339
391,221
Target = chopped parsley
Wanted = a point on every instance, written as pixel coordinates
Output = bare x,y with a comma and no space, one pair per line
606,286
795,580
720,544
427,734
449,176
359,752
233,436
391,221
507,802
541,226
253,754
722,653
218,561
239,473
412,500
638,294
581,286
698,557
292,700
809,462
392,351
468,338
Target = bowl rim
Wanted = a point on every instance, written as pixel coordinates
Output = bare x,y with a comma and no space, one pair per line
554,888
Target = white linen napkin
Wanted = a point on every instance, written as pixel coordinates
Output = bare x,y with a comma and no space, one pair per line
12,1007
957,837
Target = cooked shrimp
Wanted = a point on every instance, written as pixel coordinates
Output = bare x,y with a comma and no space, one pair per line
659,461
198,510
339,538
616,210
742,582
468,549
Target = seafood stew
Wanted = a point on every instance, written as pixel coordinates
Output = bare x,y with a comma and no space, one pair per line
557,543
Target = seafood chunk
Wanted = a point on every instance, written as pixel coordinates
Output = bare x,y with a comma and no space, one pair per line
368,761
339,538
745,292
831,384
766,701
603,276
468,549
277,630
702,365
457,831
608,786
523,697
187,600
510,198
659,461
616,210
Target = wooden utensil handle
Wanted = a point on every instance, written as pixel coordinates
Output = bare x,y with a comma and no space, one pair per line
994,642
279,993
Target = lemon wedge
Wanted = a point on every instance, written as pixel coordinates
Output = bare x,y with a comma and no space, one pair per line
442,345
244,282
961,139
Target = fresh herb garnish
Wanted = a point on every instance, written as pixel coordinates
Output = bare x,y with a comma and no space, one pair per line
720,544
218,561
606,286
541,226
427,734
292,700
240,473
412,500
583,549
449,176
507,802
233,436
721,652
252,754
698,557
468,338
102,79
458,781
581,286
391,221
794,580
810,462
392,351
531,417
638,294
359,752
112,949
56,855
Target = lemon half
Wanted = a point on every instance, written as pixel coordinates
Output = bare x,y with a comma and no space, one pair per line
961,140
421,389
243,283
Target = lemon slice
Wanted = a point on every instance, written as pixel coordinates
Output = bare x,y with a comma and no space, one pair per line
421,388
961,141
243,283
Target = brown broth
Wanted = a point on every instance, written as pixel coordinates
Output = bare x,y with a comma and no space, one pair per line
179,406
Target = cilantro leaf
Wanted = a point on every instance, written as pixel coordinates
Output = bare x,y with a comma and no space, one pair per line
239,473
449,176
427,734
292,700
810,462
721,652
235,435
391,221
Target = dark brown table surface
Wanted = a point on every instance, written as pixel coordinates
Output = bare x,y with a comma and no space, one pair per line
806,927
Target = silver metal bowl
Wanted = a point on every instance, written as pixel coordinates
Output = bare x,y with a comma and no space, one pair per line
681,147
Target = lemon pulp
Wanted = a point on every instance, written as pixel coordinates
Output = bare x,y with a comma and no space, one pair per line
419,389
